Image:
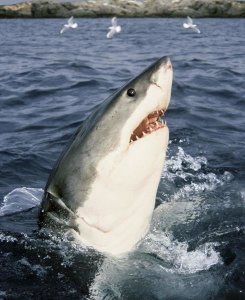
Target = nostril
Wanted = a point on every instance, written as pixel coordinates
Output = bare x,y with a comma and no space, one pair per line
169,66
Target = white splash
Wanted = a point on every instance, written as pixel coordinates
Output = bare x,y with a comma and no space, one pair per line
176,253
189,169
114,28
7,238
190,25
70,25
20,199
173,258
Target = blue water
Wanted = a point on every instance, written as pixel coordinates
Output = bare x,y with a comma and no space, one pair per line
49,83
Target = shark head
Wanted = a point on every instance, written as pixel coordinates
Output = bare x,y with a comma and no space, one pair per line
105,182
132,128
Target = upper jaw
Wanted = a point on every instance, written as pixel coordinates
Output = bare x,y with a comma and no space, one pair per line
147,119
150,123
150,120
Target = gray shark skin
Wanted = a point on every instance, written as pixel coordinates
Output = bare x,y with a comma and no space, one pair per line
75,190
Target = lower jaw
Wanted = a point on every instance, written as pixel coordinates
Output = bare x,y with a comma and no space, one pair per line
135,137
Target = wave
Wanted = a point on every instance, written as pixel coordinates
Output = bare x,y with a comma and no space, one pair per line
160,256
191,177
20,199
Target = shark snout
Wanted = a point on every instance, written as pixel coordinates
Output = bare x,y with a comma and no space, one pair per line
162,73
168,65
165,64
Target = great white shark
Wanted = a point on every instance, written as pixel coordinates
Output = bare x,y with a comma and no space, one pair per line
104,184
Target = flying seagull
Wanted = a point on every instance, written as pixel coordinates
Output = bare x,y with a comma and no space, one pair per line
190,25
114,28
70,24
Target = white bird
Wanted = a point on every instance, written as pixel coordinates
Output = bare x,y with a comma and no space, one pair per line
190,25
114,28
70,24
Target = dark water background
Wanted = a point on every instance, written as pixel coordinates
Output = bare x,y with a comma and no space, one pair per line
49,83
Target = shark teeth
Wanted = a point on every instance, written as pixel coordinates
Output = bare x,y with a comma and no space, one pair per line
149,124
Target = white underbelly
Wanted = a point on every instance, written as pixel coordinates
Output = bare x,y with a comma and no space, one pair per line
119,207
117,229
122,238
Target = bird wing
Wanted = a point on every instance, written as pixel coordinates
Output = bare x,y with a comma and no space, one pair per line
71,21
111,33
189,20
63,29
114,21
196,29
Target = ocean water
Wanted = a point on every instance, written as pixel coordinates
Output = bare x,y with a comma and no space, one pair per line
49,83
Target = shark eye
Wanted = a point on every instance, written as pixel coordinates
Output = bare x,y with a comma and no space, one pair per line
131,92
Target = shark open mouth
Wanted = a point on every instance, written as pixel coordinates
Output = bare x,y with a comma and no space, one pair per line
150,124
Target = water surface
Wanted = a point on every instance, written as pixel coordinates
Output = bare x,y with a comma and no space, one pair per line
50,83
